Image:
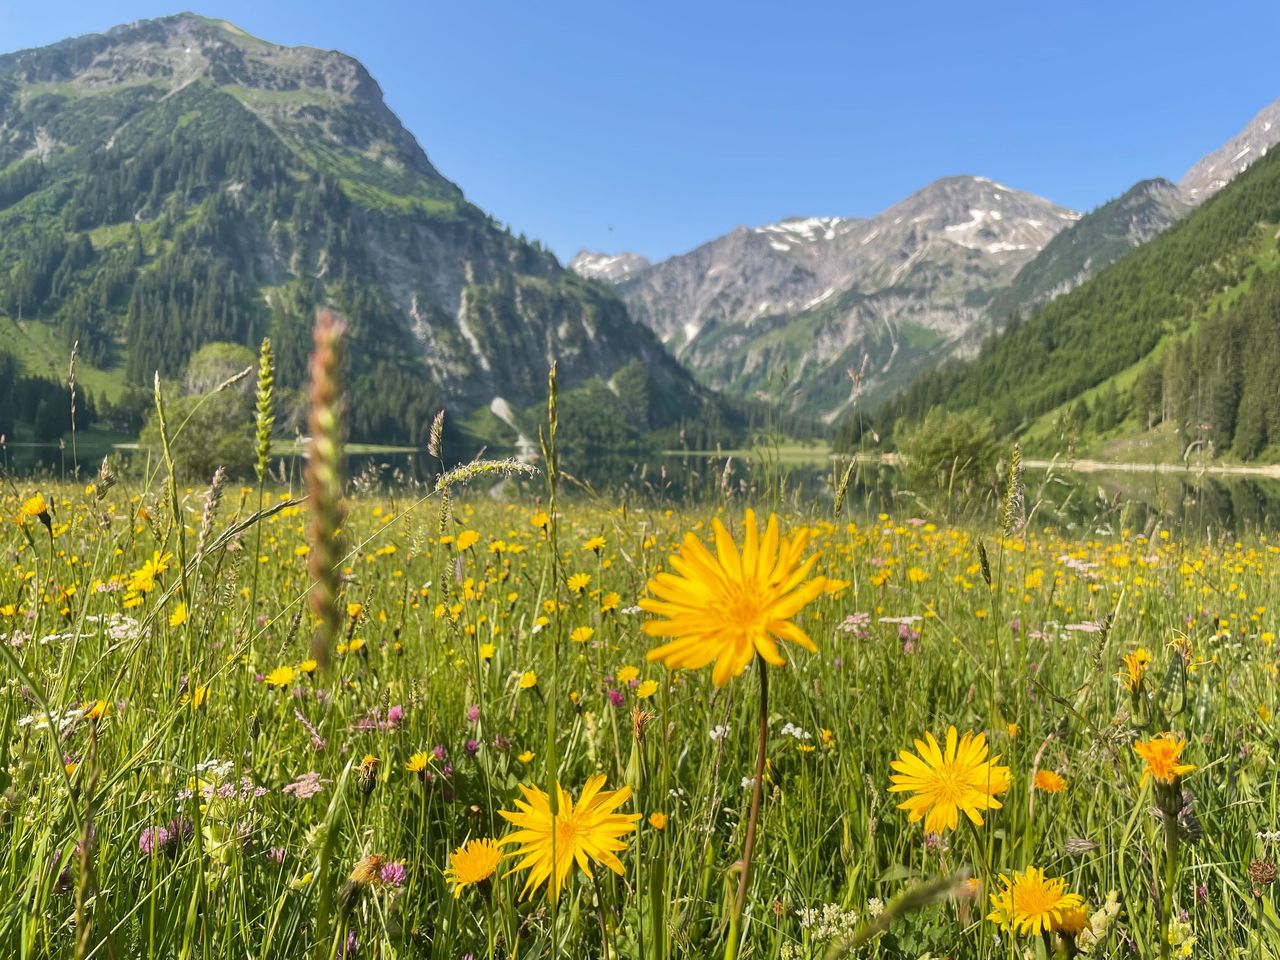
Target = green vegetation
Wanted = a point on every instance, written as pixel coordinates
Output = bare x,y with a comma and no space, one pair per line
1179,332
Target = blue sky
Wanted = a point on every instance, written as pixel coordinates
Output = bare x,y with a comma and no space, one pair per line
656,126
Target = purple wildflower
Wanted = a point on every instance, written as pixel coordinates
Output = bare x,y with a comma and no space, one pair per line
392,874
306,786
153,840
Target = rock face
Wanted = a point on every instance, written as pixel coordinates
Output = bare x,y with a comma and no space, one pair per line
823,312
606,267
1215,170
280,172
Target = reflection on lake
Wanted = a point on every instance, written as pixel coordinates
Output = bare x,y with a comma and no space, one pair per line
1102,501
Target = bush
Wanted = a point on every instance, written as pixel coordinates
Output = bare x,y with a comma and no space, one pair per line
204,433
951,451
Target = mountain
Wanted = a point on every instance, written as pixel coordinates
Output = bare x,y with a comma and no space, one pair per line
821,312
176,181
1096,240
1215,170
1178,339
603,266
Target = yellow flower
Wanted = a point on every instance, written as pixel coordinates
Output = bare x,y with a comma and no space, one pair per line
548,844
582,634
1135,665
466,540
528,680
36,507
95,709
731,606
418,762
594,544
609,602
540,519
179,615
647,689
143,580
526,756
578,582
627,674
1162,754
281,676
487,650
307,666
943,784
196,698
1050,781
1031,903
473,862
1073,921
354,609
658,820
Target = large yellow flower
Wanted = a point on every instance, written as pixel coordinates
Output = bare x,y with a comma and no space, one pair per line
34,506
473,862
730,606
1162,754
945,783
549,844
1031,903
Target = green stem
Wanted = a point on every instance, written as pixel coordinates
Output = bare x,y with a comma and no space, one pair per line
757,793
1170,875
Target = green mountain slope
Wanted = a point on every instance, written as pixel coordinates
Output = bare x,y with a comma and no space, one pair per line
175,182
1093,242
1181,332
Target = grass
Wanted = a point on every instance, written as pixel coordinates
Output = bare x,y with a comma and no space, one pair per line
41,352
257,787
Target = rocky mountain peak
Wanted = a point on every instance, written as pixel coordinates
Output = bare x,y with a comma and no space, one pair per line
176,50
1215,170
610,268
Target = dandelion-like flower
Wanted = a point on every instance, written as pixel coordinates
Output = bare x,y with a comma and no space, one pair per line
1162,754
34,507
946,783
1135,667
473,862
1031,903
731,605
1049,781
548,844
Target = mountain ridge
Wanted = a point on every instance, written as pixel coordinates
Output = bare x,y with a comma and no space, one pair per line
210,185
859,295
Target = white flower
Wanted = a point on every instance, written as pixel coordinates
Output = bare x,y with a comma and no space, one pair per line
791,730
719,732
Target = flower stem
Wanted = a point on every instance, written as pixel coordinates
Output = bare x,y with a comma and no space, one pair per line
757,791
1170,875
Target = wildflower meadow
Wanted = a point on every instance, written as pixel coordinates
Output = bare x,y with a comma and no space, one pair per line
495,716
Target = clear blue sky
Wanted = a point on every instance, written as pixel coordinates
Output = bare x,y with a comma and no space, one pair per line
656,126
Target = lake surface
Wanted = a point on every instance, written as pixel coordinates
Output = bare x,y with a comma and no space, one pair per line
1097,499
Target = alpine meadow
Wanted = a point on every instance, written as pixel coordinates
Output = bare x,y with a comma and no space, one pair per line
376,584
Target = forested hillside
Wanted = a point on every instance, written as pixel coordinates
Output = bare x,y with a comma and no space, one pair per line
176,182
1183,331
